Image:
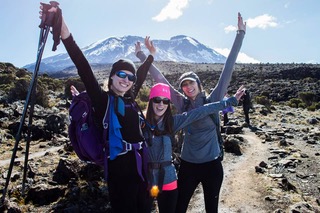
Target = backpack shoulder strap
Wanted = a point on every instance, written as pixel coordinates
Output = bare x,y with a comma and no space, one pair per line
142,118
186,104
105,121
220,140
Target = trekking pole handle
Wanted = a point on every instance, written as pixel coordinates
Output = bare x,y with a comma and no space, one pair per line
47,17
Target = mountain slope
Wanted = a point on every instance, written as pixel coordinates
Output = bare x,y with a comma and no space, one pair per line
180,48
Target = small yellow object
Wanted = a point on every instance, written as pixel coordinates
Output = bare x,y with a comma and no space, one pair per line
154,191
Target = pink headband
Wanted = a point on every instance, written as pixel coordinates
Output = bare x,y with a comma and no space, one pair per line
160,89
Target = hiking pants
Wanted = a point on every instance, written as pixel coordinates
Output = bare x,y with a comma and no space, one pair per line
209,174
128,192
225,119
167,201
246,113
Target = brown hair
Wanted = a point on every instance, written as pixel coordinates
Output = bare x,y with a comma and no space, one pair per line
167,120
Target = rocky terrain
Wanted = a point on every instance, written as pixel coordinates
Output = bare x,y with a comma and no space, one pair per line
271,166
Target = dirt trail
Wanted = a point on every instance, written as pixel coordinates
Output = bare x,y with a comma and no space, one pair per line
240,189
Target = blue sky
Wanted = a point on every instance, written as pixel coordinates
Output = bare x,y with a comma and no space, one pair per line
278,31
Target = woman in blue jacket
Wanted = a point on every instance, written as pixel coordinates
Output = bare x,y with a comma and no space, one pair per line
202,150
161,126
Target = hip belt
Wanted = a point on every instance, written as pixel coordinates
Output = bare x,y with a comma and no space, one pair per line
141,161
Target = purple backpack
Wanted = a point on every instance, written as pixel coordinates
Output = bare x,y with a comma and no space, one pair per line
87,140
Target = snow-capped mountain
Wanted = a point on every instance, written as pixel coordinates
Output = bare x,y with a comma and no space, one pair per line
180,48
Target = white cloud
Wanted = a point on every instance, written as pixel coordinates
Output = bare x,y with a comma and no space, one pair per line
230,28
263,22
173,10
242,57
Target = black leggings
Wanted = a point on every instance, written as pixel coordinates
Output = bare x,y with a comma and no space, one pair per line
167,201
246,113
128,192
209,174
129,197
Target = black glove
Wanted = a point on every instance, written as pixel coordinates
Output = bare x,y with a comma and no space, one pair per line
56,28
53,20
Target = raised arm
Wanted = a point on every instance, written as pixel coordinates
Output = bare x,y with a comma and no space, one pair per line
225,77
186,118
76,55
154,71
142,74
176,96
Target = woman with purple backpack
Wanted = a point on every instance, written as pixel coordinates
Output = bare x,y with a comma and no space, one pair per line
127,180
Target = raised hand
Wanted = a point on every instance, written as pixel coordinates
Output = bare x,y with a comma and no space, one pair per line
74,91
240,92
241,25
65,33
137,47
149,45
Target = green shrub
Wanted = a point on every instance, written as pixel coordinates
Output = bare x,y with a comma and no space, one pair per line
263,100
144,94
311,108
142,104
21,88
307,97
302,105
143,97
22,73
317,105
294,102
7,78
53,84
42,95
2,67
264,93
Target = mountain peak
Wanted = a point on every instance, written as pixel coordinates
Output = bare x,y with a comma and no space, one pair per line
180,48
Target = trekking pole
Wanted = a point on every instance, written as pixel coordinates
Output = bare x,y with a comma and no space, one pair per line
46,23
26,157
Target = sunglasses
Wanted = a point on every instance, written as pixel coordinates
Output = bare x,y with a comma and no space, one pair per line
157,100
122,74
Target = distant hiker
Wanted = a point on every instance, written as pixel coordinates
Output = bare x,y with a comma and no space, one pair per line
247,105
202,149
161,125
127,180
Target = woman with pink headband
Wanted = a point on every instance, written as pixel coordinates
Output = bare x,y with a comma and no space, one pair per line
161,126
